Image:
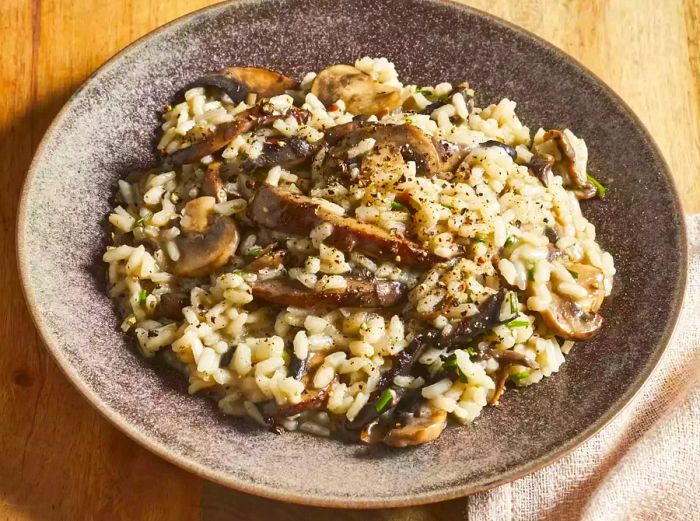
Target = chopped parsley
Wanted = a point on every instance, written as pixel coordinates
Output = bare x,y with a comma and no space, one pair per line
510,241
517,322
141,221
471,351
395,205
519,377
462,377
478,238
425,92
573,274
254,252
600,189
451,363
286,357
513,300
531,274
384,400
143,295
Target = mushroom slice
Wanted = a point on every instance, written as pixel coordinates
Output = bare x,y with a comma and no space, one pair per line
310,399
508,356
358,293
541,166
217,139
412,143
208,242
361,94
238,82
450,155
590,278
268,260
501,379
420,428
569,321
286,153
170,305
570,160
212,186
284,211
489,316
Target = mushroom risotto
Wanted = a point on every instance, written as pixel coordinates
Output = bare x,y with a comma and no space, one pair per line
347,255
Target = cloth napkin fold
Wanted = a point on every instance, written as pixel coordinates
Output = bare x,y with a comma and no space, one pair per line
645,465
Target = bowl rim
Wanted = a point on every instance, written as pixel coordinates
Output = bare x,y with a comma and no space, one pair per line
222,478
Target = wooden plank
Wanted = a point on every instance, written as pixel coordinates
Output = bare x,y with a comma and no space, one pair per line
58,458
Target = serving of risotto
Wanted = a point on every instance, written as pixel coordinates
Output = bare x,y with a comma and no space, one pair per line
347,255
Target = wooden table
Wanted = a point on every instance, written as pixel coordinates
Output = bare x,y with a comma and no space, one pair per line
59,459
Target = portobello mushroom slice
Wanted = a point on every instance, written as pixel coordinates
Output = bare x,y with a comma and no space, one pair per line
268,260
217,139
171,304
570,156
358,293
506,355
208,242
287,153
468,328
212,185
284,211
238,82
361,94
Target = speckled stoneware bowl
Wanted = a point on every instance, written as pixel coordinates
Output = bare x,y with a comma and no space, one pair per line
108,127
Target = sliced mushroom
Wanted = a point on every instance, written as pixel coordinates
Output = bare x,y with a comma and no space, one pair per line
212,185
358,293
421,428
284,211
238,82
506,148
361,94
570,156
569,321
217,139
450,155
590,278
509,356
412,143
267,260
541,166
287,153
208,242
501,379
311,399
468,328
170,305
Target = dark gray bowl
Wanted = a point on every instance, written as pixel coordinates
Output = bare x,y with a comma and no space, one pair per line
108,128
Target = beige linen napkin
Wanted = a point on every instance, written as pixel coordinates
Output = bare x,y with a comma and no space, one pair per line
645,465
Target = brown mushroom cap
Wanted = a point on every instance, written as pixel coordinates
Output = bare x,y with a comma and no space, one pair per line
569,166
238,82
418,429
569,321
208,242
592,279
361,94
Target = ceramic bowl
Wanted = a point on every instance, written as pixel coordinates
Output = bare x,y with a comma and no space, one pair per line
108,127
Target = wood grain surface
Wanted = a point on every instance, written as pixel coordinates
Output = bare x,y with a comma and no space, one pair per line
59,459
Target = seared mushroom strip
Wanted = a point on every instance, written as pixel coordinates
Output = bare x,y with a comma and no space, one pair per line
214,141
212,185
571,165
358,293
208,242
238,82
360,93
284,211
508,356
267,260
541,166
387,395
286,153
489,315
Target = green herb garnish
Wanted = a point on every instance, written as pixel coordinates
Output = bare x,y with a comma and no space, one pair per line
395,205
510,241
141,221
143,294
573,274
448,206
531,274
519,377
462,377
425,92
513,300
471,351
450,362
254,252
600,189
384,400
478,238
286,357
517,322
